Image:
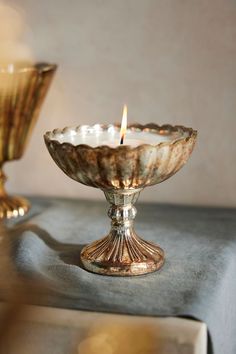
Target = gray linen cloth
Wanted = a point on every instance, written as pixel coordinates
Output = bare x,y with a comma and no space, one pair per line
196,281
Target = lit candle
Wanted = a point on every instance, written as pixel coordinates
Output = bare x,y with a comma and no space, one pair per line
113,136
123,127
135,138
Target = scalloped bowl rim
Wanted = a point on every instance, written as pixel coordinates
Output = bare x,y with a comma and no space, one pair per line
153,127
28,67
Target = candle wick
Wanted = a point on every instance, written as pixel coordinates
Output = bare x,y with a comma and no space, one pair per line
122,139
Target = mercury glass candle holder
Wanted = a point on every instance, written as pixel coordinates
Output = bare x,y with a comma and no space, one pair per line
121,172
23,88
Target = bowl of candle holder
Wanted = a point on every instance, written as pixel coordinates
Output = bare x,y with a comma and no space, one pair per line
121,172
23,87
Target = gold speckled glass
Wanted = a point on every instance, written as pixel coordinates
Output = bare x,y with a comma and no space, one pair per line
23,88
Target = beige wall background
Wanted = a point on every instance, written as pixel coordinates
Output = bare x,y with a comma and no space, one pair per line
171,61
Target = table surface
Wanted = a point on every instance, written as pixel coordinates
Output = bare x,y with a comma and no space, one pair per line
197,280
46,330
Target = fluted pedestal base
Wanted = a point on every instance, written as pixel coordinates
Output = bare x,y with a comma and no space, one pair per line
122,252
13,206
123,256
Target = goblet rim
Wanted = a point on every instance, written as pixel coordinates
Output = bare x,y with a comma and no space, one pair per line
163,130
23,67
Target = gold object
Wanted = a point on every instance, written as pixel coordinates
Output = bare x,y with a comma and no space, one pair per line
22,90
121,173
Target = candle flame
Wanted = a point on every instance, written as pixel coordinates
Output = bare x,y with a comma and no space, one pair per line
123,125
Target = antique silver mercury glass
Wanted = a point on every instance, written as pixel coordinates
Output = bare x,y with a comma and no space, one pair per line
121,172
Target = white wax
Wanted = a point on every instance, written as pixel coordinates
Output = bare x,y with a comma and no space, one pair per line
130,142
96,137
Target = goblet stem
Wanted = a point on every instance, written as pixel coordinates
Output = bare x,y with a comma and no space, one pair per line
3,179
10,206
122,252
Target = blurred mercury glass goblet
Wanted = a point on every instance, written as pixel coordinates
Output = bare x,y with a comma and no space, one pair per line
121,172
22,90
